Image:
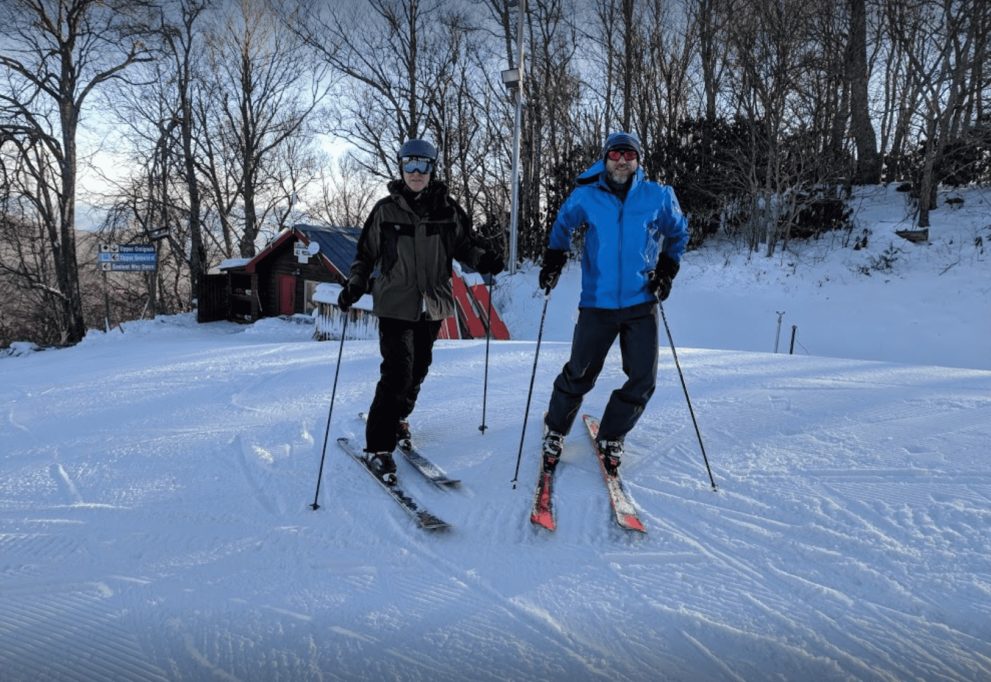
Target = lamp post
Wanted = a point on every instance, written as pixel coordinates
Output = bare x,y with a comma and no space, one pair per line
513,79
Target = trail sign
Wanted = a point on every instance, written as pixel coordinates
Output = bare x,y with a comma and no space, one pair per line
304,251
128,258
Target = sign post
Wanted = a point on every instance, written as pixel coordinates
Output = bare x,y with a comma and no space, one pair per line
106,303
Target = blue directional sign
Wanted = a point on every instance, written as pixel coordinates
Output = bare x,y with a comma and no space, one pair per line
128,258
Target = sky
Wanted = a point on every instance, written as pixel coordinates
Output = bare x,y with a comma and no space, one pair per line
156,483
108,165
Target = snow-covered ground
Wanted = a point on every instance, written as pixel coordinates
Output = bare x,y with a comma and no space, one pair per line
155,489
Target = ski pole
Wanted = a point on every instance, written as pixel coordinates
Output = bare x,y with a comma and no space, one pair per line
684,387
333,392
488,336
540,334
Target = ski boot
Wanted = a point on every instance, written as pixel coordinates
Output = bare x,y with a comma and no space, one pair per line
611,452
551,448
404,438
382,464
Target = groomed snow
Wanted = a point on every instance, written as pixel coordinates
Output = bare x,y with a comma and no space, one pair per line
155,488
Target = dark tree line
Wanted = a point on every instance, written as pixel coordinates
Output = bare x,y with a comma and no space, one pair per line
753,109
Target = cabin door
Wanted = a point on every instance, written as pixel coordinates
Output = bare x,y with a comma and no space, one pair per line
287,294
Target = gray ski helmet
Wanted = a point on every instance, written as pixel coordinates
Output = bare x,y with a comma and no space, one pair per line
419,148
622,140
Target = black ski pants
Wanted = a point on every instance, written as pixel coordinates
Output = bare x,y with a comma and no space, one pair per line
595,332
407,351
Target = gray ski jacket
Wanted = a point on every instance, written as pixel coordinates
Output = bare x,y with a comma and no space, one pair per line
413,247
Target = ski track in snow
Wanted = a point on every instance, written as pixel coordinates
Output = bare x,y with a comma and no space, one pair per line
155,523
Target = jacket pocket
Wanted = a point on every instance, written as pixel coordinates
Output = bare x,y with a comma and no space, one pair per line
391,232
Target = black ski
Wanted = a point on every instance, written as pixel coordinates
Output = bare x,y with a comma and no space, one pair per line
427,468
433,472
622,506
424,519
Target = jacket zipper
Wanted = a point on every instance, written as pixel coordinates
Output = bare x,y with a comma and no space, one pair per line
619,256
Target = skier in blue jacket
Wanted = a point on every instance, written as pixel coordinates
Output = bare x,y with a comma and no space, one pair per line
636,234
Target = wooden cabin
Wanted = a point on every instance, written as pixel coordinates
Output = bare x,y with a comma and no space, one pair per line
282,279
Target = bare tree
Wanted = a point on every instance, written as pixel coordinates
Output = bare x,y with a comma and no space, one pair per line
941,60
768,48
665,75
217,165
411,68
32,301
630,48
381,49
346,194
262,94
54,55
607,14
182,38
710,19
295,166
148,201
162,194
901,95
549,160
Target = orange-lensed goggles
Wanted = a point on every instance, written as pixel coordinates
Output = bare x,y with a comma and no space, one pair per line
625,154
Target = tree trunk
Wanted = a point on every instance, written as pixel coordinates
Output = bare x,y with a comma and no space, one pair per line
707,50
926,187
628,34
197,253
68,270
868,162
247,241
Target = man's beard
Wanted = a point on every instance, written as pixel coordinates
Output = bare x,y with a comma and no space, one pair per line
620,177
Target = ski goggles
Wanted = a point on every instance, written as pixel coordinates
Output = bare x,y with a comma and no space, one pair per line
416,164
625,154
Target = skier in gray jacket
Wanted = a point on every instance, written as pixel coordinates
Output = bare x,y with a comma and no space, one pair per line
412,235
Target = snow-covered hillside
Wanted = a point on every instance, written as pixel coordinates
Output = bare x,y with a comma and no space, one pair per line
932,306
155,488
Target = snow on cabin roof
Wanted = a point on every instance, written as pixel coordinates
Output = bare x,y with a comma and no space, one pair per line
231,263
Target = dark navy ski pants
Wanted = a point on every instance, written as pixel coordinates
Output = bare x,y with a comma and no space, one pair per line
595,332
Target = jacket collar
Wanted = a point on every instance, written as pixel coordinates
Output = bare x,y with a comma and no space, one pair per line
433,195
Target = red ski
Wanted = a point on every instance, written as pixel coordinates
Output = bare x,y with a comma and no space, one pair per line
622,505
542,513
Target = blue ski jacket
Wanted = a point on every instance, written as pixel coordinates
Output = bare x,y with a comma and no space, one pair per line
623,238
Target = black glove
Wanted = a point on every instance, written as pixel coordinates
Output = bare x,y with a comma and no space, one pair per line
350,293
660,280
490,263
659,285
550,271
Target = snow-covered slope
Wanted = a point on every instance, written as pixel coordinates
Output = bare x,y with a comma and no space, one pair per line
155,491
155,521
